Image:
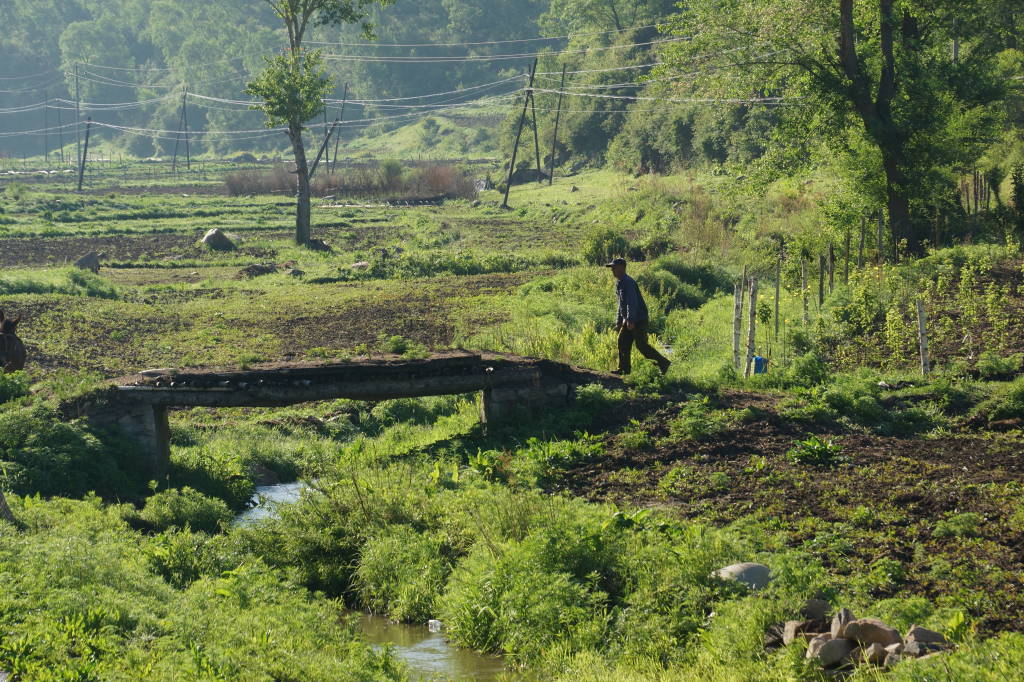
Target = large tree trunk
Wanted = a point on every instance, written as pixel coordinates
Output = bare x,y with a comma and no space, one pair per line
898,203
302,210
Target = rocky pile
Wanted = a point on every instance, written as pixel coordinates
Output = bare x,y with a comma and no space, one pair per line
846,641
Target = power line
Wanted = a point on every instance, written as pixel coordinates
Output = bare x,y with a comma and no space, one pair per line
496,57
485,42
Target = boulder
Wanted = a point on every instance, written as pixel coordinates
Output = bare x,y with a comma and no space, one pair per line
318,245
892,659
256,270
361,265
793,630
753,575
90,262
828,651
218,241
839,622
916,633
574,188
870,631
294,272
894,649
874,653
773,636
475,203
815,609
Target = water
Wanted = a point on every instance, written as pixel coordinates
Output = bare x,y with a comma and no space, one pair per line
266,497
427,654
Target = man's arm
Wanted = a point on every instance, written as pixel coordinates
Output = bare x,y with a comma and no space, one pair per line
631,301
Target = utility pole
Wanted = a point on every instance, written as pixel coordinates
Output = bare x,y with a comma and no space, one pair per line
81,166
554,138
341,117
323,147
536,138
184,117
46,133
60,137
519,132
78,122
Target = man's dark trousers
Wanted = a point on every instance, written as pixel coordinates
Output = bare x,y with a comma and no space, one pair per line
638,335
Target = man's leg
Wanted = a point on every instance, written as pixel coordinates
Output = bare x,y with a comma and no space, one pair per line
645,348
625,350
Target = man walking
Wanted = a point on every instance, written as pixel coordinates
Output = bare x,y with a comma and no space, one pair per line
632,321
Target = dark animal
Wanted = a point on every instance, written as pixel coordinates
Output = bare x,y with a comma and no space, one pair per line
12,350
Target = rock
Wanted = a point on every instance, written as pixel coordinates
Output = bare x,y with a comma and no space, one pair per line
815,609
916,633
840,621
318,245
798,629
829,651
434,625
256,270
361,265
894,648
574,188
294,272
892,659
773,636
90,262
874,653
753,575
475,203
218,241
870,631
922,658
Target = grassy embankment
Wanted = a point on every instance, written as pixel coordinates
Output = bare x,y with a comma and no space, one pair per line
907,507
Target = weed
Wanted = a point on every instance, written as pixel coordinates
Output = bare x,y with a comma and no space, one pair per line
815,451
962,525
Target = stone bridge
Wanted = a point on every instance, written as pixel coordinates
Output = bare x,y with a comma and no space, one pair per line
509,386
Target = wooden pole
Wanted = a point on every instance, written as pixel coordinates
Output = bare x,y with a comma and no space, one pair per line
337,139
46,132
323,147
751,327
85,153
519,132
78,121
554,138
536,138
5,510
60,137
184,116
922,338
803,289
177,138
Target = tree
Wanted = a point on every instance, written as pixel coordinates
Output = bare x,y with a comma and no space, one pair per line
293,85
883,70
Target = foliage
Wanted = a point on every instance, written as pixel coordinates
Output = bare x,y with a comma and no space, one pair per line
185,508
13,385
815,451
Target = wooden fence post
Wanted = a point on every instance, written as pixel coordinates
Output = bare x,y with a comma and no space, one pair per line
821,280
737,319
752,326
922,338
831,268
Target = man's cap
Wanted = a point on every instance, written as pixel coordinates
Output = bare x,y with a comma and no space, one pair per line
616,261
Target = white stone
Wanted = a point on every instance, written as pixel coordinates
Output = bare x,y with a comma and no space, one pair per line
753,575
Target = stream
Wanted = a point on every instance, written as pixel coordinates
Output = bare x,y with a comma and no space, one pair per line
427,654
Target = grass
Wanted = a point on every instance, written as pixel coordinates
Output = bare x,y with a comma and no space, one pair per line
580,544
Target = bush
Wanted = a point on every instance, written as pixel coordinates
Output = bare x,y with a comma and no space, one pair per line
13,385
181,507
815,451
993,366
674,293
601,246
808,370
401,573
41,454
1007,404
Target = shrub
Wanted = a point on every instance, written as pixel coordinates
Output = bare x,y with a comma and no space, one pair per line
401,573
808,370
958,526
41,454
1007,404
993,366
671,290
181,507
13,385
601,246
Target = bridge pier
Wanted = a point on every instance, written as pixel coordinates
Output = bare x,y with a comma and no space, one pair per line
145,426
503,405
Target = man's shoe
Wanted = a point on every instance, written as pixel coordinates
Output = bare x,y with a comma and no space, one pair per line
664,365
